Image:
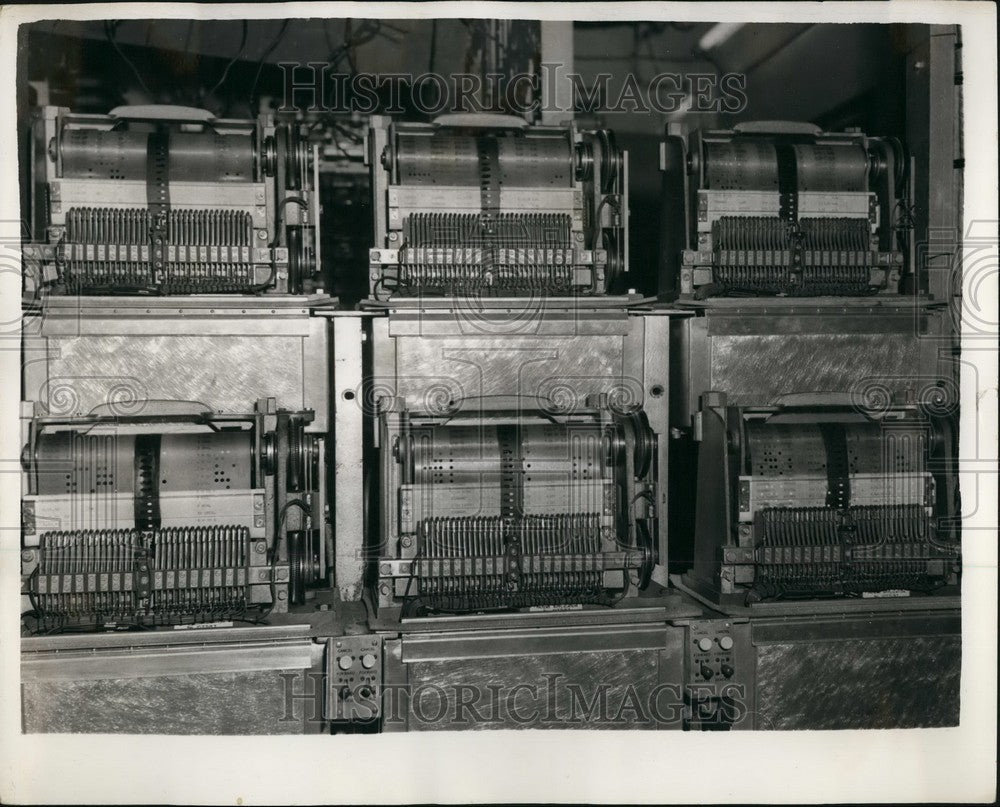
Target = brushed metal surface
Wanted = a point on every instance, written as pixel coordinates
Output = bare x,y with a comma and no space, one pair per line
538,692
202,703
565,369
227,374
904,682
758,369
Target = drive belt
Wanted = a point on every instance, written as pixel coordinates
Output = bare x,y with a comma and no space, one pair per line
788,200
511,478
511,501
838,480
788,182
158,196
488,151
146,488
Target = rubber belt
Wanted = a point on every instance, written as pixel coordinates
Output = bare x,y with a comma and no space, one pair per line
158,198
146,488
788,182
511,478
488,151
838,480
788,200
511,500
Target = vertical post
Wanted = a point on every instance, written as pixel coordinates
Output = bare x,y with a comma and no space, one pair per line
557,56
655,379
933,137
348,425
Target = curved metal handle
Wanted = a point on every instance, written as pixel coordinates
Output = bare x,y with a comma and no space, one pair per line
165,112
157,408
480,120
777,127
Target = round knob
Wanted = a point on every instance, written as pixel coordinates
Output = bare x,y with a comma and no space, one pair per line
706,672
704,644
726,642
727,670
345,662
368,661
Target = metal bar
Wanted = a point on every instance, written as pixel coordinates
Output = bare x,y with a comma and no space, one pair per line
495,644
862,627
164,638
149,663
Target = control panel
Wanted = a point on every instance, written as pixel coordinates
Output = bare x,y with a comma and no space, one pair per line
354,678
710,650
718,672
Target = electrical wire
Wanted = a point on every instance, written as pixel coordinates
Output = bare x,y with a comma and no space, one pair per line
225,73
111,32
280,213
274,551
263,57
